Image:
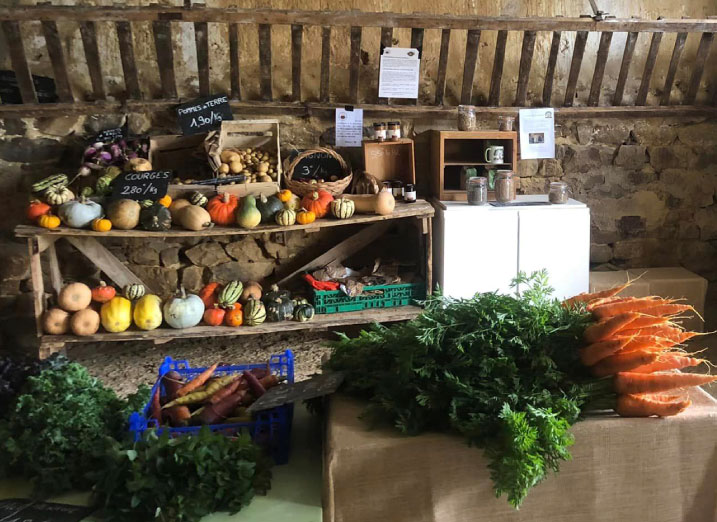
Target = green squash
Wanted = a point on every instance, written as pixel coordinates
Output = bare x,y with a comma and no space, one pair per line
104,185
304,312
285,217
230,294
268,207
199,199
50,181
279,309
248,216
155,218
134,291
254,312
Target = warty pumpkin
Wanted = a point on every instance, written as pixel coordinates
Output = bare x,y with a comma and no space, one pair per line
155,218
318,202
221,209
75,297
85,322
116,314
147,313
134,291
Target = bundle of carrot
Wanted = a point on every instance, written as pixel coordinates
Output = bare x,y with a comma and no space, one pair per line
636,342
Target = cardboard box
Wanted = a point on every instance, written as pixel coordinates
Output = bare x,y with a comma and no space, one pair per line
622,470
676,282
390,160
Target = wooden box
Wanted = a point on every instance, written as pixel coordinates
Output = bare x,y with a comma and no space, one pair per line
390,160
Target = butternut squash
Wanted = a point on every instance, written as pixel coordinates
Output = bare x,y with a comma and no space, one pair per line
382,203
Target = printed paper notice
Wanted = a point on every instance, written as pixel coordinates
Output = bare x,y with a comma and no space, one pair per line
399,73
537,133
349,127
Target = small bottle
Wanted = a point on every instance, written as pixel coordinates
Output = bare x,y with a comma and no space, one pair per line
379,131
397,189
394,130
409,193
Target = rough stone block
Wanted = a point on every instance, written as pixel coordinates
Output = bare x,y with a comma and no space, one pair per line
629,249
654,132
13,126
14,261
527,168
631,156
706,219
162,281
699,135
99,122
600,253
245,271
26,150
534,185
193,278
276,250
207,254
246,249
10,286
170,257
632,226
615,133
603,236
143,256
138,123
690,188
551,168
584,132
582,159
640,177
60,126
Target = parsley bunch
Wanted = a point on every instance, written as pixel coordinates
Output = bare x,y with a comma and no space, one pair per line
500,370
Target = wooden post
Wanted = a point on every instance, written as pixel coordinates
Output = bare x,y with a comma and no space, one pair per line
57,58
417,43
234,69
386,41
580,39
649,66
355,64
442,66
497,75
469,65
603,51
702,52
55,274
265,61
526,60
325,63
88,32
624,67
129,67
201,42
13,36
297,34
672,69
38,288
550,71
162,32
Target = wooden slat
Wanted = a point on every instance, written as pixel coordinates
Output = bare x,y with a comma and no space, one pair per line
497,74
386,41
354,63
105,261
325,87
649,67
417,43
265,61
702,51
603,51
469,65
129,66
38,285
297,34
201,41
162,32
88,32
624,67
442,66
672,69
55,274
57,58
577,60
526,60
550,70
13,37
234,70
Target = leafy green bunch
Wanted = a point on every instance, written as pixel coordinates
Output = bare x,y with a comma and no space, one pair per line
500,370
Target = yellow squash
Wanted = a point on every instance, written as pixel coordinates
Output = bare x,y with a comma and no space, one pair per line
116,314
148,312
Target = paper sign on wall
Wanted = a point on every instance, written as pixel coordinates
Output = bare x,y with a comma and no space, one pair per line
398,77
537,133
349,127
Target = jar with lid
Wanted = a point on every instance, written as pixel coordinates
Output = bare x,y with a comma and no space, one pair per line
506,123
409,193
504,186
559,192
379,131
477,190
393,132
397,189
466,118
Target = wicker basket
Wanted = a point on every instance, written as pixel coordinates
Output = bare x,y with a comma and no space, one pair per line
301,188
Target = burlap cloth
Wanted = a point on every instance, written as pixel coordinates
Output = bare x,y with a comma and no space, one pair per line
623,470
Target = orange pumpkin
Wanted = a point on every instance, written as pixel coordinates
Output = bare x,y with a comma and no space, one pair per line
234,316
305,217
208,294
317,202
221,208
36,209
284,195
214,316
103,293
165,200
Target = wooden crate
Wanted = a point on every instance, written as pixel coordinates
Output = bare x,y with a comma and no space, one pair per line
452,150
390,160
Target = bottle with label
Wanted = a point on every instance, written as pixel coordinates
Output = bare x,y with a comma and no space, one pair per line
379,131
409,193
393,132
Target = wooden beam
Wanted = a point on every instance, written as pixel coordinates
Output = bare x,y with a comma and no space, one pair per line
469,66
442,66
234,68
105,261
88,32
297,34
38,286
526,60
386,41
497,74
45,241
201,42
13,37
672,69
417,43
599,72
162,32
354,64
265,61
57,59
624,67
580,39
325,88
550,70
129,66
702,51
649,66
55,274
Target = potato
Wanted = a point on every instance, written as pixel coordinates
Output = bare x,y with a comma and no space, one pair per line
227,156
224,168
235,167
262,167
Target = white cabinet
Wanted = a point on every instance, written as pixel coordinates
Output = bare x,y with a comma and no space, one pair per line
481,249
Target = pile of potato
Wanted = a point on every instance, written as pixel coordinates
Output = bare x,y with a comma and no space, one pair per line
257,165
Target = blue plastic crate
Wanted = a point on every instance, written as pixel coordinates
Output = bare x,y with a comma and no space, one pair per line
271,429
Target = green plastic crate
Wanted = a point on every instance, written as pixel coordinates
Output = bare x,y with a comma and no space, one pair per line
335,301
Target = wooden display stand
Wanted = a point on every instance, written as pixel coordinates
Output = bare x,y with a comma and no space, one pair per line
390,160
452,150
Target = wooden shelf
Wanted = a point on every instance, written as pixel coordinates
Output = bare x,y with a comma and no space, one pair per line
473,163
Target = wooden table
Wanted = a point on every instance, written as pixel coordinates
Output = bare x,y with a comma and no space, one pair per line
41,240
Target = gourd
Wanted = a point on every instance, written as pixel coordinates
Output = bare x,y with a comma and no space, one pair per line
234,316
87,191
36,209
285,217
382,203
137,165
208,294
74,297
116,314
104,185
252,290
85,322
275,293
194,218
50,181
147,313
254,312
284,195
176,206
56,322
318,202
79,213
103,293
58,194
146,203
342,208
268,207
124,213
230,293
305,217
299,301
199,199
184,310
222,207
248,216
134,291
214,316
294,203
49,221
279,306
165,200
303,312
101,225
155,218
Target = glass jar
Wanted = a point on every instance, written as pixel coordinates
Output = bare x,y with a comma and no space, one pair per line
477,190
506,123
379,131
397,189
394,130
559,192
504,186
466,118
409,193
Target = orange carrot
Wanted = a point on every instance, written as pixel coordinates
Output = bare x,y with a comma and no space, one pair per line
198,381
631,382
586,297
605,329
668,361
646,321
648,405
606,300
667,309
598,351
668,332
644,342
623,363
633,305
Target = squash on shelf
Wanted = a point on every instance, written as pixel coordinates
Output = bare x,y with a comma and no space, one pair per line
85,322
285,217
183,310
134,291
79,213
155,218
49,221
252,290
50,181
116,314
214,316
193,217
303,312
294,203
56,321
305,217
36,209
248,216
230,294
254,312
124,213
165,200
137,165
147,313
234,316
198,198
58,194
103,292
208,294
318,202
269,207
284,195
74,297
342,208
101,225
382,203
222,207
176,206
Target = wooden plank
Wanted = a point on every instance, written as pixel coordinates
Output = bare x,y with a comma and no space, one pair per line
355,63
417,43
325,63
55,274
13,37
265,61
442,66
469,65
297,34
599,72
38,288
88,32
672,69
624,67
429,255
697,69
129,66
162,32
201,42
550,70
577,60
386,41
44,242
105,261
649,67
526,60
234,69
57,59
497,74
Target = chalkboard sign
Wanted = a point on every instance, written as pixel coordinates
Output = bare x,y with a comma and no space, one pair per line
110,135
318,165
318,386
204,114
24,510
152,185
